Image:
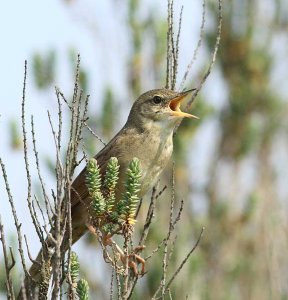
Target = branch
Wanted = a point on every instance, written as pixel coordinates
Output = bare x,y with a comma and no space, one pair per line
48,206
179,268
8,266
184,260
26,161
16,221
189,67
213,56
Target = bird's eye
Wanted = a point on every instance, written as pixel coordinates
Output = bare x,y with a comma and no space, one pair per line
157,99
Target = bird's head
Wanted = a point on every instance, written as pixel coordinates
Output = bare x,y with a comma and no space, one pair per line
159,106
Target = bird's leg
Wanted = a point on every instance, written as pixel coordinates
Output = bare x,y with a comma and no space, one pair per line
133,258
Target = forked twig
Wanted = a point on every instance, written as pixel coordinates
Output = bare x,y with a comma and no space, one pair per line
166,289
185,260
195,53
8,266
213,56
15,217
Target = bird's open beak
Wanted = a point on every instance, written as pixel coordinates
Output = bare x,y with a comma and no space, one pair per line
175,103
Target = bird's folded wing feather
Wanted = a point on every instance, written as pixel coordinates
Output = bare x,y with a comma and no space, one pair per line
79,192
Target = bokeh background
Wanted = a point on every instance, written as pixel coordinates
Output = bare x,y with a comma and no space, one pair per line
231,165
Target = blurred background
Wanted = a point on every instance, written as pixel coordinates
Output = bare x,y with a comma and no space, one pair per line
231,165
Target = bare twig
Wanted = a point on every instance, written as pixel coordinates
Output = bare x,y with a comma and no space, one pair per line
33,215
125,293
95,134
48,206
149,217
189,67
112,284
28,251
213,56
184,260
61,94
177,219
176,50
169,54
172,248
41,212
16,221
148,222
38,224
60,119
171,229
118,282
8,266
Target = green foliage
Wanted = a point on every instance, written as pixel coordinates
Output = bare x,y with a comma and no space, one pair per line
81,286
93,182
74,268
128,204
110,182
93,177
98,204
82,289
44,69
103,200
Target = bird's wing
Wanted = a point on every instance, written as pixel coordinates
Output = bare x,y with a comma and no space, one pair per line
79,192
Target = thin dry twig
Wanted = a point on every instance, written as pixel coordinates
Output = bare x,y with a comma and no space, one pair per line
159,246
212,61
48,206
168,39
24,133
28,252
213,56
199,43
149,217
95,134
184,260
176,52
8,266
167,239
15,217
112,284
165,256
41,212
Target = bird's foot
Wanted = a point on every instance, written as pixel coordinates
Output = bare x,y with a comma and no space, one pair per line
133,259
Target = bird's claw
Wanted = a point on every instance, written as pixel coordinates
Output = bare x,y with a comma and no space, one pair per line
133,261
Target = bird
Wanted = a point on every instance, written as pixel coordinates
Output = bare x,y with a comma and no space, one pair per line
147,135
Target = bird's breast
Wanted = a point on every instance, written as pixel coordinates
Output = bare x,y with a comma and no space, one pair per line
154,152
